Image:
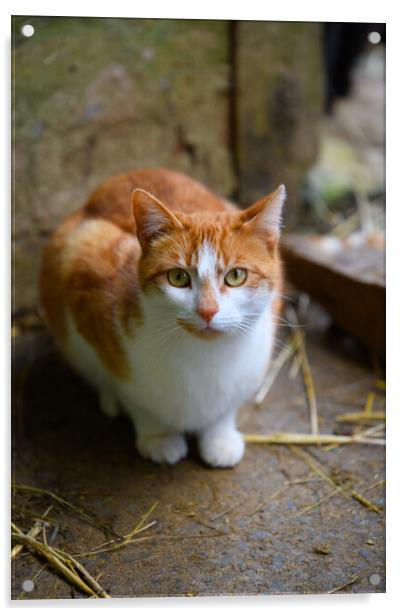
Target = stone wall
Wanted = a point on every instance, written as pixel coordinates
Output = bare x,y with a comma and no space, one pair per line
232,104
279,94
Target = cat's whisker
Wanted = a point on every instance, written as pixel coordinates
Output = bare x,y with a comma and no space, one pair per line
163,347
279,344
288,298
287,322
287,327
167,348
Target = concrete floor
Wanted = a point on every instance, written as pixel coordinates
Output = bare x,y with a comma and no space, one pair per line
217,532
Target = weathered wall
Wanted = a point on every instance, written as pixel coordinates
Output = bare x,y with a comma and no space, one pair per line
95,97
278,106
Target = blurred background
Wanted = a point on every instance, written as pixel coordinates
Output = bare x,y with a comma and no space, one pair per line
241,106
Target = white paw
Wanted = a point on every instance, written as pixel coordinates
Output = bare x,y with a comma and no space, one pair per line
108,404
168,448
224,450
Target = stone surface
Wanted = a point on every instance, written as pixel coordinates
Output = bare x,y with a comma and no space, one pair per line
249,530
96,97
278,105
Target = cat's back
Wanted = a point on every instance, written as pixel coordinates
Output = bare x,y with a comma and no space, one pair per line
112,200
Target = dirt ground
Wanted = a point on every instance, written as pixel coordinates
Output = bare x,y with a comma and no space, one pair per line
272,525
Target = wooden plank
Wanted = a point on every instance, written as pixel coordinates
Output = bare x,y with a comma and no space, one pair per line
348,281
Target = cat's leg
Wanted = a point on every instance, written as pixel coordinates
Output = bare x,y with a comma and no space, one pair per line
156,441
221,444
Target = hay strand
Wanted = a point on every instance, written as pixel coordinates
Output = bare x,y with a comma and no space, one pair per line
58,562
295,367
373,431
361,417
74,564
319,502
62,501
369,403
300,346
117,544
273,372
345,490
352,581
34,532
295,438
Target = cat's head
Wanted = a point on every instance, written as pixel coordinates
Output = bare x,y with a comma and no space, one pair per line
209,272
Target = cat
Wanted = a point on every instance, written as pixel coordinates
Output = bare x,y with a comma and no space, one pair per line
165,297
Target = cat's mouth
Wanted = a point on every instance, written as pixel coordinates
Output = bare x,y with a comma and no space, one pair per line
206,332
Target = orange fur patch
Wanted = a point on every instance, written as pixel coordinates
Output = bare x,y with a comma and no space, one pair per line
90,268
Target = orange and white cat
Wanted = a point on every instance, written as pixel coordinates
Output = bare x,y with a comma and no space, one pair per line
165,297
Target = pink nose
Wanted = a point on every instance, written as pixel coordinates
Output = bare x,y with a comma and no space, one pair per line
207,313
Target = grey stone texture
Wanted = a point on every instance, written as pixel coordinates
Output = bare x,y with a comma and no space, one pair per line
279,93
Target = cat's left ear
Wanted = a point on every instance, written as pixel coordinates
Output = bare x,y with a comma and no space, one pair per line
264,217
151,216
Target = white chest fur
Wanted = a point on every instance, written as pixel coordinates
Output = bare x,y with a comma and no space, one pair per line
188,382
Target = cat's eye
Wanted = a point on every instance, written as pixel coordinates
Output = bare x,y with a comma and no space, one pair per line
178,277
236,277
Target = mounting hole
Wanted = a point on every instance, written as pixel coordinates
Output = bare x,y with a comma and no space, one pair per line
375,579
374,38
28,585
27,30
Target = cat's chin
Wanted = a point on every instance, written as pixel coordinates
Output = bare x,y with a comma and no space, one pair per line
206,333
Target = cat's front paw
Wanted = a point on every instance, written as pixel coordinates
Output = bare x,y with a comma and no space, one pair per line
167,448
222,450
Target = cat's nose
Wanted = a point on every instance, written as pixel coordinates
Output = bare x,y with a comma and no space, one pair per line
207,313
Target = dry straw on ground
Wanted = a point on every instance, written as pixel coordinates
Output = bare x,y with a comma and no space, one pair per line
296,348
62,562
289,438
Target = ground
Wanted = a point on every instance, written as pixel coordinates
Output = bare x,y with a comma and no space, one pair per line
217,532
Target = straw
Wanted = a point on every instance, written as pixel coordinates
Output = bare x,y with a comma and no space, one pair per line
273,371
34,532
62,501
352,581
346,491
360,417
299,343
295,438
64,563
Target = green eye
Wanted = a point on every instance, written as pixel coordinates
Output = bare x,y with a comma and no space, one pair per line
179,277
236,277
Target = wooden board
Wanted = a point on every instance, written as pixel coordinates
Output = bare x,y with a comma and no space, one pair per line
347,278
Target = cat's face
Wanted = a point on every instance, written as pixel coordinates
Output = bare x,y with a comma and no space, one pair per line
209,273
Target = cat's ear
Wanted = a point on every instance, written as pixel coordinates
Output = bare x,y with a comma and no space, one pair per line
151,216
264,217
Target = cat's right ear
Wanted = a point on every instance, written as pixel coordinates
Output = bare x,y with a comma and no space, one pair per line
151,216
